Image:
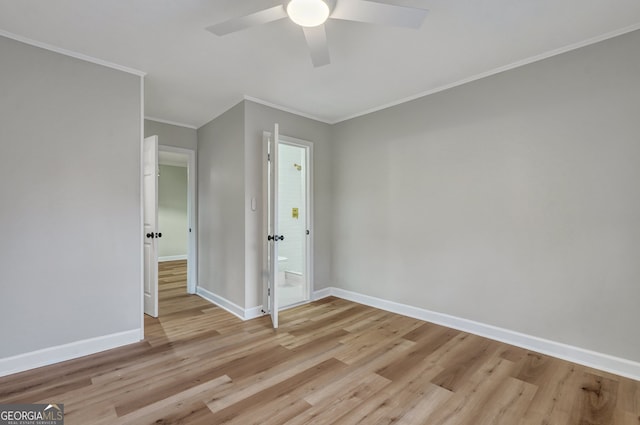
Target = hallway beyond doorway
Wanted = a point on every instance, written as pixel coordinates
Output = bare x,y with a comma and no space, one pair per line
172,288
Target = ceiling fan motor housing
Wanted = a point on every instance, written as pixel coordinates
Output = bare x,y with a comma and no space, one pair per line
309,13
330,3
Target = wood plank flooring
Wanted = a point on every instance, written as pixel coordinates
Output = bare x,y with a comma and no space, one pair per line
331,362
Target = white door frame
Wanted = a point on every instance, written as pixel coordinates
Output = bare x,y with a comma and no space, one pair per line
308,146
192,243
292,141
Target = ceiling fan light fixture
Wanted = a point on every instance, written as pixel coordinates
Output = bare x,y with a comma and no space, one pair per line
308,13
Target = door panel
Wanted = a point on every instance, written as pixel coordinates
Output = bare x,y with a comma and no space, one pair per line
270,298
150,218
273,220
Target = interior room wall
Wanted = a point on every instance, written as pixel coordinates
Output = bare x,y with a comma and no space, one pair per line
221,206
172,135
260,118
173,221
512,201
70,216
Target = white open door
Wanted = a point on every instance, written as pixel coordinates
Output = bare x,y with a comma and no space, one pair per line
270,297
150,213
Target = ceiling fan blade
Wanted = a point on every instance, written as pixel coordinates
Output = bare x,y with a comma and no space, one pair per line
379,13
317,42
258,18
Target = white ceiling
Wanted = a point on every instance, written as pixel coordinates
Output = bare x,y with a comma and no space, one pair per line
193,75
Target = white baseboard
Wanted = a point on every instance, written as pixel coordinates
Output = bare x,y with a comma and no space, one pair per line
231,307
61,353
172,258
253,312
321,293
596,360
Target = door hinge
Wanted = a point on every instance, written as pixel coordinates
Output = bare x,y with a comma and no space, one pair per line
268,157
308,232
268,292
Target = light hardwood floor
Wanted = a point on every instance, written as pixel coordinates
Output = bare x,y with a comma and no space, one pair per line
331,362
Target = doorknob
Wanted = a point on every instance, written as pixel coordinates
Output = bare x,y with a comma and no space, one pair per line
150,235
158,235
275,238
281,237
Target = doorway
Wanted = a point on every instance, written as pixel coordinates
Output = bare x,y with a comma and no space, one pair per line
293,279
153,155
293,222
176,210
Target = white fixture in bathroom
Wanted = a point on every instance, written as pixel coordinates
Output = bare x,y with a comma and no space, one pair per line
282,267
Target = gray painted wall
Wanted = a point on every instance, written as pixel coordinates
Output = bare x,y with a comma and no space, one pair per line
261,118
512,201
70,251
221,226
172,135
173,221
229,175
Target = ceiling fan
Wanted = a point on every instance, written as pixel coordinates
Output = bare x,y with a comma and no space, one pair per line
312,14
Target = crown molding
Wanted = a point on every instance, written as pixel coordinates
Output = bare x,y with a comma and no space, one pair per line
285,109
498,70
148,118
70,53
